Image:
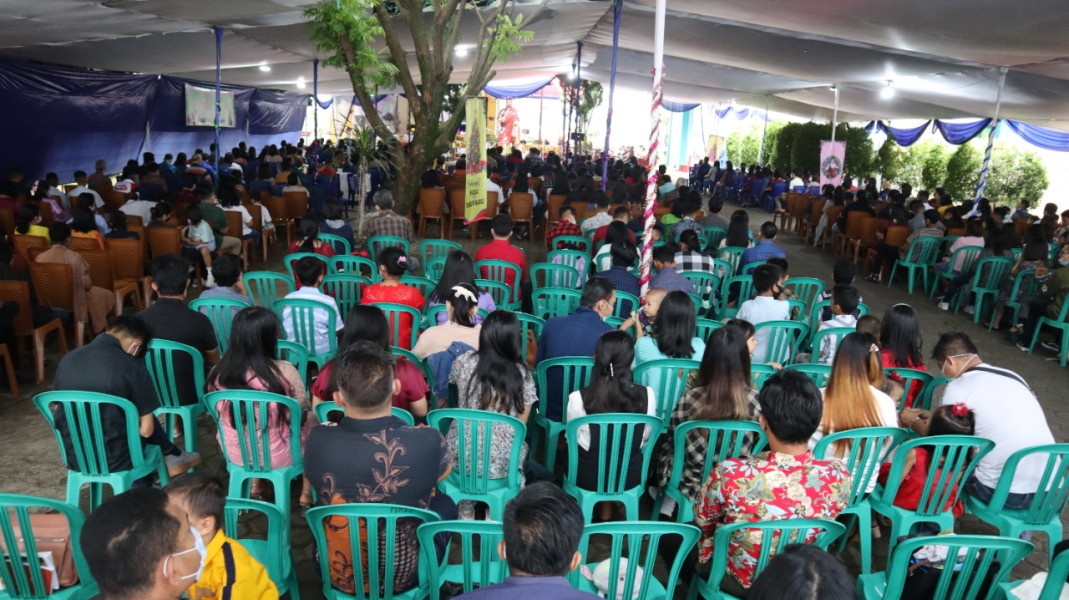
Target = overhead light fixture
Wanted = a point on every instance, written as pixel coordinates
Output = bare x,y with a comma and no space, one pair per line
888,91
300,83
265,67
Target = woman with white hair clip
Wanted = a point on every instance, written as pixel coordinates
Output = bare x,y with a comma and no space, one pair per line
462,305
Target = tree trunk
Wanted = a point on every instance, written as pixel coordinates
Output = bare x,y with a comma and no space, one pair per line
361,206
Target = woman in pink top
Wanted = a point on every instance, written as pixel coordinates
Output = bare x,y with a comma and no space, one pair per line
250,364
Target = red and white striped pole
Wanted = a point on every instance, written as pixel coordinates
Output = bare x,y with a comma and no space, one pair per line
654,154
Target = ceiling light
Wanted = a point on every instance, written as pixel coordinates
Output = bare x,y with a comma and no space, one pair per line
300,83
888,92
265,68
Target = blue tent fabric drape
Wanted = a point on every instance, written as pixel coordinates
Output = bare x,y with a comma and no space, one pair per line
515,90
678,107
903,136
733,111
1042,137
960,133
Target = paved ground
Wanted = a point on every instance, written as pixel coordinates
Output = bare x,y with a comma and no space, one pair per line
30,462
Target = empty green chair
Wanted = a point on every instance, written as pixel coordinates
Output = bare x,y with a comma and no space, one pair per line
704,327
1061,325
759,372
81,414
706,284
625,304
1025,285
470,478
398,316
376,244
555,302
263,287
299,317
296,355
250,414
833,336
16,531
975,558
715,235
806,289
433,268
290,262
919,258
479,564
345,289
1045,511
986,283
220,311
372,531
913,380
160,360
817,373
775,535
968,255
324,410
435,249
784,337
580,261
959,455
338,243
501,271
732,439
865,449
616,434
550,275
574,375
354,265
273,551
743,291
500,292
668,377
574,242
641,540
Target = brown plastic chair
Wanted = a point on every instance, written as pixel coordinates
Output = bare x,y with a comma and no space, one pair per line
55,288
234,224
19,291
83,243
142,235
46,211
163,241
521,205
7,219
276,205
957,231
296,205
432,206
854,222
809,223
128,264
870,227
133,220
535,185
23,243
12,379
103,275
833,216
456,211
267,236
112,200
897,235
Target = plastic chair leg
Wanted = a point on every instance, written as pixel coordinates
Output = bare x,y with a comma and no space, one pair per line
189,423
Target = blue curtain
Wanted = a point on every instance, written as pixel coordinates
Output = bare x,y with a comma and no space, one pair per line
515,90
1042,137
678,107
904,137
960,133
732,111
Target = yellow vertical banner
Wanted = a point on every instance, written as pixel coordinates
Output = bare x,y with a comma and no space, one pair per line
475,192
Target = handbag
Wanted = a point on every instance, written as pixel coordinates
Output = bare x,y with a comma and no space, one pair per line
52,533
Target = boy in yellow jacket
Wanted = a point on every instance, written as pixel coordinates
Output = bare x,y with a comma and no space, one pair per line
230,572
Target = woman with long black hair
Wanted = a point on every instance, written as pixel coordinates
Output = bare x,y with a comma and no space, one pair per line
458,269
673,335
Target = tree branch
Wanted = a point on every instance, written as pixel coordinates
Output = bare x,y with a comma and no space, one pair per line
412,10
399,56
360,90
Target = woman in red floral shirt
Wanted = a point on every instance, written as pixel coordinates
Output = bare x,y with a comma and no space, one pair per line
393,264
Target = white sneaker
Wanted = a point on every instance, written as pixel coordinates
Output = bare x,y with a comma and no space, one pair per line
176,465
209,281
970,309
944,306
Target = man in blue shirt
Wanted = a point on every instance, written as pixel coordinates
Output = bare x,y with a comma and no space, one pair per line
542,527
664,260
575,335
764,249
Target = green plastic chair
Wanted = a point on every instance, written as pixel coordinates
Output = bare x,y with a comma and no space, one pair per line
290,262
354,265
435,249
346,290
83,409
245,413
555,302
301,316
377,524
969,255
575,375
580,243
641,540
919,258
160,359
262,287
759,372
324,410
806,289
220,311
550,275
908,378
1047,506
479,566
1058,323
748,268
959,455
705,284
775,535
425,285
1025,281
530,324
616,434
395,314
732,439
625,304
499,292
579,261
273,551
337,242
817,373
867,447
295,354
376,243
668,378
704,327
408,355
715,235
836,333
731,254
744,286
433,268
1052,589
499,270
959,583
783,340
986,283
723,269
927,395
470,478
431,318
813,318
16,531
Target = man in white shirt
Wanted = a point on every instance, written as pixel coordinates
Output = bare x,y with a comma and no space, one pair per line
138,208
83,188
309,272
1006,413
493,187
796,181
601,218
765,306
52,180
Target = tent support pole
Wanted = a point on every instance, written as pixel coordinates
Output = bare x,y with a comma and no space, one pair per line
835,112
617,9
985,169
315,98
764,128
653,155
541,105
578,89
218,95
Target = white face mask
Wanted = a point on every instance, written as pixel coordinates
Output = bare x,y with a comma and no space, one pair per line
961,370
198,547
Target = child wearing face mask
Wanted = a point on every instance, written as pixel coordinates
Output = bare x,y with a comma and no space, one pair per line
227,569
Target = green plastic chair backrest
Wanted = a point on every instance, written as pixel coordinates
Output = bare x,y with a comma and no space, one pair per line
783,340
337,242
395,314
625,304
551,275
924,400
580,261
432,315
743,284
909,378
345,289
715,235
220,311
160,359
730,439
837,333
862,453
817,373
248,411
668,378
1055,248
16,531
577,242
498,270
1052,491
276,536
500,292
434,249
82,416
969,255
354,265
290,261
555,302
759,372
806,289
704,327
641,540
262,287
749,267
408,355
301,314
372,530
991,272
433,268
975,555
377,243
324,410
731,254
723,269
478,542
862,309
798,308
475,434
1025,283
1059,571
923,251
774,535
575,375
425,285
530,323
293,353
617,434
958,455
705,284
815,311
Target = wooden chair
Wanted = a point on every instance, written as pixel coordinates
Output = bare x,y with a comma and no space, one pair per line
870,227
276,205
535,185
54,283
45,210
296,205
234,225
142,235
553,204
83,243
7,219
833,216
128,264
432,206
167,240
19,291
491,212
23,243
855,221
133,220
267,236
112,200
102,275
809,223
521,205
456,211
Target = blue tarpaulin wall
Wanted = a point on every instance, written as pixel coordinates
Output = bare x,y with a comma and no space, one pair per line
62,120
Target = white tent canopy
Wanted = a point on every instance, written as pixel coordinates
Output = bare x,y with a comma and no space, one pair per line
941,57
